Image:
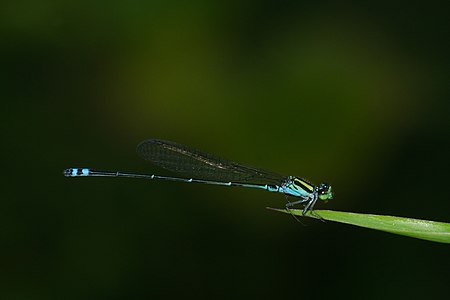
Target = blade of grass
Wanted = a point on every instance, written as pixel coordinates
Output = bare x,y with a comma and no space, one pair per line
420,229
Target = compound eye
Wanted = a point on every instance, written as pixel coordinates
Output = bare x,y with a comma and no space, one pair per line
324,187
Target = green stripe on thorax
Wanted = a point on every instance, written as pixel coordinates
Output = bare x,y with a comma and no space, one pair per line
303,184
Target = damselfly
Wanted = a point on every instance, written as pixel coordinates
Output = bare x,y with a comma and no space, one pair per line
201,167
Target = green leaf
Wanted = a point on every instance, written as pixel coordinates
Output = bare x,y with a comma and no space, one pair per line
420,229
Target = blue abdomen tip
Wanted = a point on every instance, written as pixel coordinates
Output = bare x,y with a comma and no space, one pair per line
73,172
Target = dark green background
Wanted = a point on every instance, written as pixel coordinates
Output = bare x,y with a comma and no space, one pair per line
353,94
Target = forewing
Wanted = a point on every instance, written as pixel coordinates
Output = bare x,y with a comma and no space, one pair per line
200,165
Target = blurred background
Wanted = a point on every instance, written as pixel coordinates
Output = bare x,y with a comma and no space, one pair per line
352,94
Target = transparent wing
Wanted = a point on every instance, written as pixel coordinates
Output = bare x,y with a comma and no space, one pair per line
200,165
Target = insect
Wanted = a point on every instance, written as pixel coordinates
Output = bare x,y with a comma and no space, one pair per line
201,167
